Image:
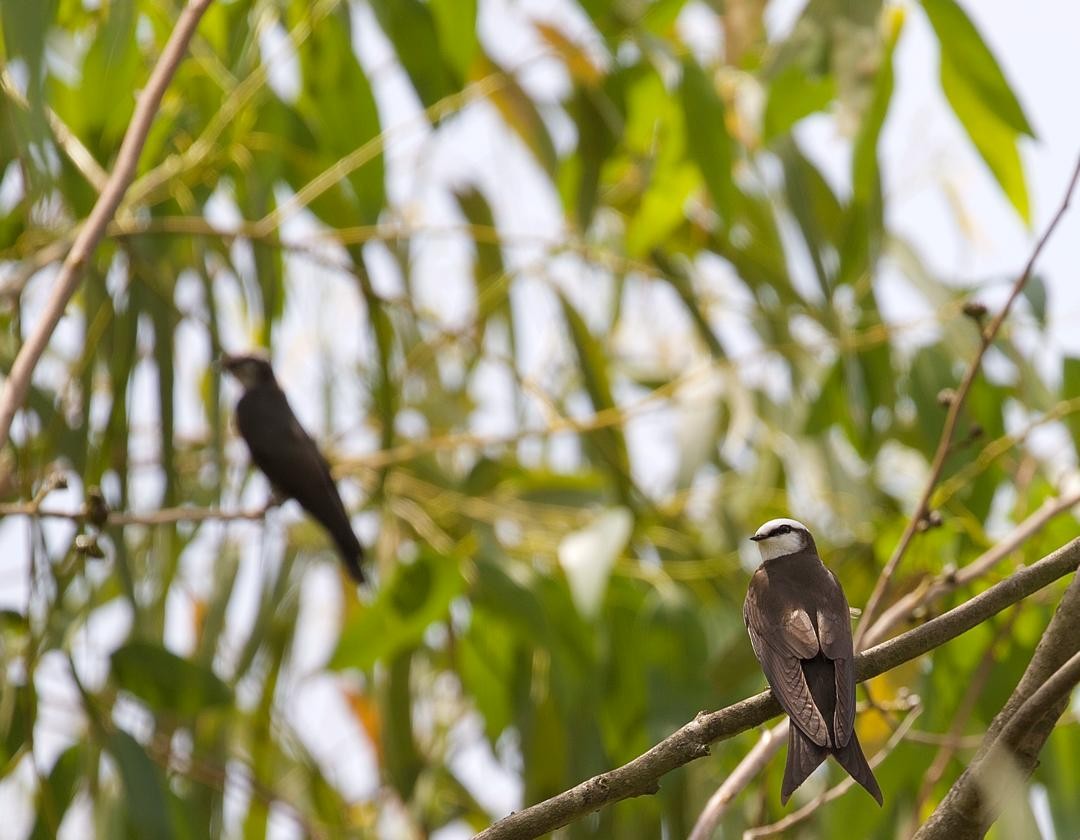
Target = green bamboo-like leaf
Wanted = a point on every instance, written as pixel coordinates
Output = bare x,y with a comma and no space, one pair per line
166,682
793,94
972,59
982,99
995,141
707,139
865,179
1070,389
338,107
411,28
609,442
455,22
55,795
145,799
489,272
416,595
519,112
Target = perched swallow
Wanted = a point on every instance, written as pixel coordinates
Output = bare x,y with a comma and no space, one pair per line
800,628
288,456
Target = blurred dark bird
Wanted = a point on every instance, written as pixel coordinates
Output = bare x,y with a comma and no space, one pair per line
800,628
288,456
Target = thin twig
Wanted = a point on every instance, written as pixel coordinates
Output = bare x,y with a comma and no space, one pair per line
642,774
838,790
90,234
745,772
164,516
952,417
948,582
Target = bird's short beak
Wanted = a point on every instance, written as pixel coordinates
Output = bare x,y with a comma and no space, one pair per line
758,537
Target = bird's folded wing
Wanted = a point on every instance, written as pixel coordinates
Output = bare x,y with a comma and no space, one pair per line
834,630
780,649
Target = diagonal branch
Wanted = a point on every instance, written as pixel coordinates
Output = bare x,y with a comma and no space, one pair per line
948,582
1010,750
91,232
952,418
642,775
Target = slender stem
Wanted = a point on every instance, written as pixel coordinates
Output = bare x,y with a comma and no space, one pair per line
952,418
91,233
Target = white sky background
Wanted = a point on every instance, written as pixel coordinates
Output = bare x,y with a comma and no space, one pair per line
923,148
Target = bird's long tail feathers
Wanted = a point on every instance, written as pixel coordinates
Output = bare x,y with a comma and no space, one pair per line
352,553
851,758
803,758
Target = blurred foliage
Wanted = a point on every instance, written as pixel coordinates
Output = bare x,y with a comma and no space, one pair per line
572,591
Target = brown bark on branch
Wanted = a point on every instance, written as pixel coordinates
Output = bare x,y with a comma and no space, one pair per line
1018,732
692,741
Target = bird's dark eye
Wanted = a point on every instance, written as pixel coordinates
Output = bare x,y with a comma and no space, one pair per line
784,529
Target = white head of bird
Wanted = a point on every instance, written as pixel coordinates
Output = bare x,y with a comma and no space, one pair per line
780,537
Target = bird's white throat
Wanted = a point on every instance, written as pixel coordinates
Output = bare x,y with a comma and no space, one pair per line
780,545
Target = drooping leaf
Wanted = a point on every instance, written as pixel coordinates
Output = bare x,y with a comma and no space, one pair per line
411,27
982,99
416,595
166,682
145,799
707,138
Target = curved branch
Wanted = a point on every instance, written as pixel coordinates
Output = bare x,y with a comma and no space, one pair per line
92,231
922,507
691,742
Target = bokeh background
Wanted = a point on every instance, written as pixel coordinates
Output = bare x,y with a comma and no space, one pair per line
575,295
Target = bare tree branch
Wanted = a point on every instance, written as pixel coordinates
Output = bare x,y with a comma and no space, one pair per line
948,582
642,775
90,234
1019,730
952,417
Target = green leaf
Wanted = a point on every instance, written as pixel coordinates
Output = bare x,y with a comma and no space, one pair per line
707,138
410,26
981,99
147,807
608,442
1035,292
486,663
519,113
994,140
489,272
865,179
1070,389
455,21
972,60
166,682
662,208
416,595
55,795
793,94
338,106
25,27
